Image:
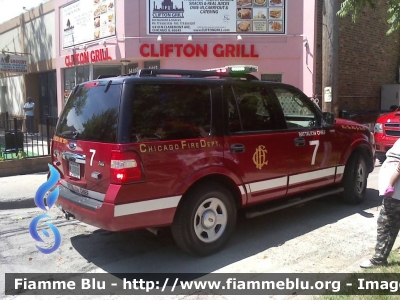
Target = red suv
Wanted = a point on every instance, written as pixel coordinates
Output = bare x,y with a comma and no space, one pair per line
188,149
386,132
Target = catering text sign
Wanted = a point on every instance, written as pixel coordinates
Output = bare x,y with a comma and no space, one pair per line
84,21
216,17
13,64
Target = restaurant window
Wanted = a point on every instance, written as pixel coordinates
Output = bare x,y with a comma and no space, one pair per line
132,68
69,82
82,74
271,77
74,76
106,70
152,64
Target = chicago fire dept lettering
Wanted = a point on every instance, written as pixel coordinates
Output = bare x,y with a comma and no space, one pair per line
183,145
259,157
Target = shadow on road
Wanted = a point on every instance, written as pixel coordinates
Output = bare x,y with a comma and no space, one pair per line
141,252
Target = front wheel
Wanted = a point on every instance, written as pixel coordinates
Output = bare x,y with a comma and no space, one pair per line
205,219
355,180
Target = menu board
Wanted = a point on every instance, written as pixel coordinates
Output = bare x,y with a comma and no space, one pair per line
87,20
216,17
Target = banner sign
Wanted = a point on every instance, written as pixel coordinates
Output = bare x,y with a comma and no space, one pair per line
85,21
13,63
163,284
216,17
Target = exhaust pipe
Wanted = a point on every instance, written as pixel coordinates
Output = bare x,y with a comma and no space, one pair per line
157,231
69,216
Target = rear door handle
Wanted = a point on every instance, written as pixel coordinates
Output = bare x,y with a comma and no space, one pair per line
237,148
299,142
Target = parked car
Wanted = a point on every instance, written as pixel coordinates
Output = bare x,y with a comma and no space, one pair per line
386,132
188,149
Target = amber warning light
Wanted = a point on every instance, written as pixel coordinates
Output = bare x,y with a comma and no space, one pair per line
235,69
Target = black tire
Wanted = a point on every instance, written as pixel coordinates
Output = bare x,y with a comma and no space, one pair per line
355,180
208,238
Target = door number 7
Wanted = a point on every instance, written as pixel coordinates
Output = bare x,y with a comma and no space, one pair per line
316,144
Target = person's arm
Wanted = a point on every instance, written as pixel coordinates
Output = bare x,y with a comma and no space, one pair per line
395,176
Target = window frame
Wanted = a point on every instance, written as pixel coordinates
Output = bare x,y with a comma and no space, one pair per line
310,105
275,108
129,94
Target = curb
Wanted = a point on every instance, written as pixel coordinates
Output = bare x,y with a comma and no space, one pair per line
17,203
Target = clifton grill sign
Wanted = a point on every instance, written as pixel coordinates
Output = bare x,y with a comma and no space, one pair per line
198,50
87,57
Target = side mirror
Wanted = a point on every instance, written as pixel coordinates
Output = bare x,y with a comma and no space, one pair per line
328,119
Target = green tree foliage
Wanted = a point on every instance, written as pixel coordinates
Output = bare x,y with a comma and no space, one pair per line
355,7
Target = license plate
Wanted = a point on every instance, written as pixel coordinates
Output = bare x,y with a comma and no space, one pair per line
74,170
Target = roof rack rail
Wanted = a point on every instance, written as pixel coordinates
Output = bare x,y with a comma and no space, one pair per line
192,74
106,76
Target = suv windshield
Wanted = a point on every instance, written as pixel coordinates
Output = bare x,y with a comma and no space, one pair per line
91,113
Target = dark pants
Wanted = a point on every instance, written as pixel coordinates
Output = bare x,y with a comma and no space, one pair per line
388,228
29,124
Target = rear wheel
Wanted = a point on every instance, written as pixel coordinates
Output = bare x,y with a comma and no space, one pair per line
355,180
205,219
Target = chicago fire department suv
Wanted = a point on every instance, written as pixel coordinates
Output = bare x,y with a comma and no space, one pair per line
188,149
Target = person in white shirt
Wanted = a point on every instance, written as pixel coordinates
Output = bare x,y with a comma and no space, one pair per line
29,109
388,223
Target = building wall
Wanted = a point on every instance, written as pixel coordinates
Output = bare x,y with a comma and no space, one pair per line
31,34
368,58
279,54
14,96
40,29
11,85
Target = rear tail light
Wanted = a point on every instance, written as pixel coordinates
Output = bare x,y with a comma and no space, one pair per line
125,168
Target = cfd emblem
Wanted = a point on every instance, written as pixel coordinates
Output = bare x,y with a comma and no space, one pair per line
259,157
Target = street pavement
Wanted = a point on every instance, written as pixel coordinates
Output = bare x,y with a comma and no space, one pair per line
19,191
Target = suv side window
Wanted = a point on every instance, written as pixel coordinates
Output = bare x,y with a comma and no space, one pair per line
298,110
249,109
170,111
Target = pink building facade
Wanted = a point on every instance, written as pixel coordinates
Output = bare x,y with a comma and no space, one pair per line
98,37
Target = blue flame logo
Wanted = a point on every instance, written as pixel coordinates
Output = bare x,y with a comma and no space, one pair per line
51,198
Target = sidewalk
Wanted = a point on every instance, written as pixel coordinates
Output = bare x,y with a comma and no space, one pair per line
19,191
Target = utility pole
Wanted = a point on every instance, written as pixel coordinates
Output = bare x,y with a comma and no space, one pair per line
330,56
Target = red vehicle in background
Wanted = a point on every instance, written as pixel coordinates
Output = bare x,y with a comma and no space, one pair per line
386,132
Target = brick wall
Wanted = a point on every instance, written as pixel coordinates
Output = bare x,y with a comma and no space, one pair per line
368,58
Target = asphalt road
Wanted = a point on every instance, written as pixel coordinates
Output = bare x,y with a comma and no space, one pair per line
322,236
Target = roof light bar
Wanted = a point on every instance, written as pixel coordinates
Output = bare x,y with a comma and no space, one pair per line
236,69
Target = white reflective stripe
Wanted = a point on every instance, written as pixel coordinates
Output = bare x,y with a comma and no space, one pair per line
242,191
268,184
311,175
145,206
339,170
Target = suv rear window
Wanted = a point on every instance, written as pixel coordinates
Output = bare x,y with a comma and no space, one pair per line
91,114
170,111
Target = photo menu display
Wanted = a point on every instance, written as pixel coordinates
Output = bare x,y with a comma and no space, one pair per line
216,17
87,20
260,16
